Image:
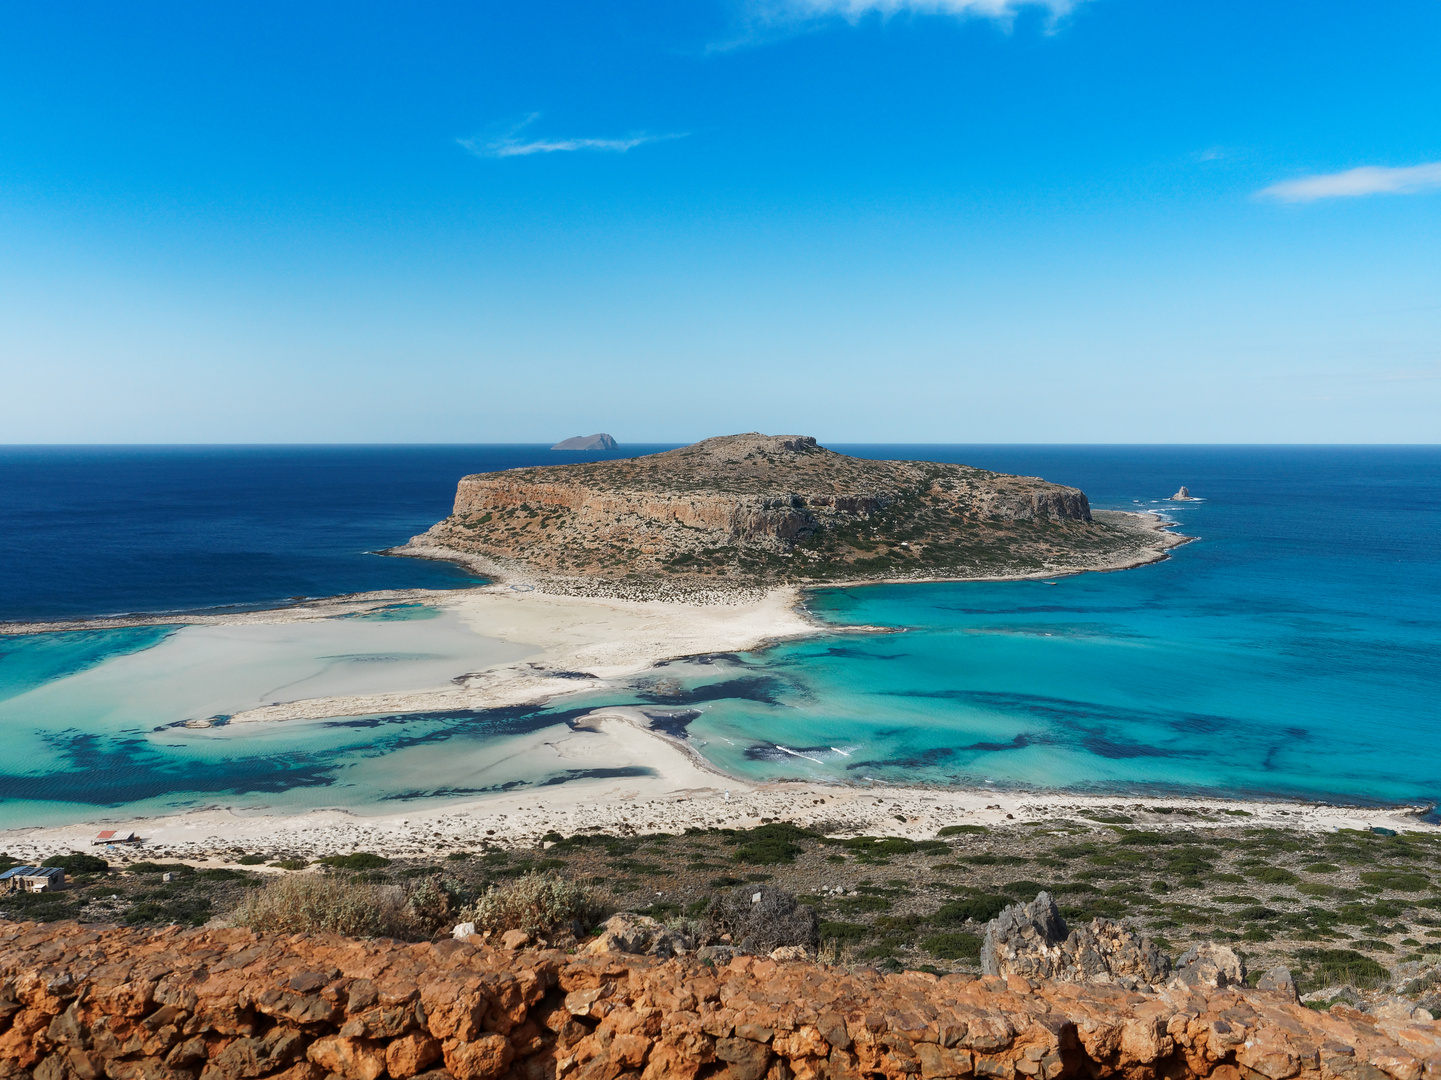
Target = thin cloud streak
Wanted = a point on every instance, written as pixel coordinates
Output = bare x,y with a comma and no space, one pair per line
511,144
853,10
1367,180
768,21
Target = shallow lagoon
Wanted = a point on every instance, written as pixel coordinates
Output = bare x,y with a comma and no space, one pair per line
1295,650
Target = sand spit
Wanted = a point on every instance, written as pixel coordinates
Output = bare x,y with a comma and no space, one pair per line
681,791
583,643
329,607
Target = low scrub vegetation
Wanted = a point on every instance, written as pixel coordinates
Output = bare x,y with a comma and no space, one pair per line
314,903
543,904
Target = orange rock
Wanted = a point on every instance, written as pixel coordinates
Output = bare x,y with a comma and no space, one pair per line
361,1059
411,1054
482,1059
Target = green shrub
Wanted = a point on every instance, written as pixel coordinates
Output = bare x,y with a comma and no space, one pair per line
953,946
879,847
541,903
1146,839
160,868
221,873
980,908
77,862
1332,966
856,905
1274,875
843,931
251,860
1319,888
1023,890
1397,880
292,864
962,830
191,911
359,860
1322,868
771,844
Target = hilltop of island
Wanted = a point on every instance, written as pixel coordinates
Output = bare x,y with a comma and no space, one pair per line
775,509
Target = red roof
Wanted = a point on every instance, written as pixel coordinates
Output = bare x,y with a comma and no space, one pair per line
106,835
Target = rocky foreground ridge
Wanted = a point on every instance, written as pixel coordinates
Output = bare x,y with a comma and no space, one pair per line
215,1004
749,508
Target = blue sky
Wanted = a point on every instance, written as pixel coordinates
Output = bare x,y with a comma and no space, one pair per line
867,220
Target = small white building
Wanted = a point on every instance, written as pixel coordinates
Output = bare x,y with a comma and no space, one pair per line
115,836
32,879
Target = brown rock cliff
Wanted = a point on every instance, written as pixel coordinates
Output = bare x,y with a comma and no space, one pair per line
136,1004
756,507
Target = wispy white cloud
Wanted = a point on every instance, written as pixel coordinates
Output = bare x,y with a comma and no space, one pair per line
513,142
1367,180
856,9
767,21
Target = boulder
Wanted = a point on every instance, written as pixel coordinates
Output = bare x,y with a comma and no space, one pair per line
1278,981
1033,940
791,952
628,932
1209,964
1184,495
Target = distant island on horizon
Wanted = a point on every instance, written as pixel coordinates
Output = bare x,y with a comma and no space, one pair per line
759,510
600,441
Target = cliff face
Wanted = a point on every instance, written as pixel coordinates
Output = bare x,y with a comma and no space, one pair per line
771,507
79,1004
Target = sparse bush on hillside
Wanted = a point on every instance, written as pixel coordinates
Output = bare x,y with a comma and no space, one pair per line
312,903
542,904
1341,966
760,918
359,860
953,946
77,862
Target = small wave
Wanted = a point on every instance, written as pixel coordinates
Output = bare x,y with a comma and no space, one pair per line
778,752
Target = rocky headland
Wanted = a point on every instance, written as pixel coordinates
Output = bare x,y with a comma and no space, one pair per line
747,510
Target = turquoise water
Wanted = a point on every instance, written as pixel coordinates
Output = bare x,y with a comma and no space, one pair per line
1293,650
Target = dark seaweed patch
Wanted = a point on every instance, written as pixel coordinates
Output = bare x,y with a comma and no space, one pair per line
761,688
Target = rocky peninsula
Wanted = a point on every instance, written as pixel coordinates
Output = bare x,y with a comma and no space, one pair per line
759,510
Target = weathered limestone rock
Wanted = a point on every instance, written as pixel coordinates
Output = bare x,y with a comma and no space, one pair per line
1032,940
638,934
138,1004
1209,964
1278,981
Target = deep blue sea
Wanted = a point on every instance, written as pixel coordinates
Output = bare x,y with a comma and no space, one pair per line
1294,649
93,530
